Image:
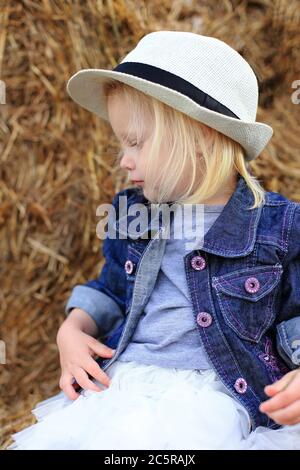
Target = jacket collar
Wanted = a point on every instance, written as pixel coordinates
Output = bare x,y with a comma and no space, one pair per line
233,234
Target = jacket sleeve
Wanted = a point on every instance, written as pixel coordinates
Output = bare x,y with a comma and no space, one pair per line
288,321
104,298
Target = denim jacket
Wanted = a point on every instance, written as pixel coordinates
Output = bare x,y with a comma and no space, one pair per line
244,286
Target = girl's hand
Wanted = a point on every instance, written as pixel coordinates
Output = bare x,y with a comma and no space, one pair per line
284,406
77,349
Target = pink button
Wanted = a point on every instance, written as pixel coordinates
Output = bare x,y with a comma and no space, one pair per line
252,285
240,385
198,263
129,266
204,319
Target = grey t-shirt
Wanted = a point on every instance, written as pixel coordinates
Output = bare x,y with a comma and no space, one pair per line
166,334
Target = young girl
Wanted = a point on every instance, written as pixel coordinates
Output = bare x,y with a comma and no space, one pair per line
200,340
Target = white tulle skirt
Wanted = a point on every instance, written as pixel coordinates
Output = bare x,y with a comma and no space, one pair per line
150,407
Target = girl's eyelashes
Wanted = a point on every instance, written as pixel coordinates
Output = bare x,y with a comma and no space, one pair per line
134,144
131,144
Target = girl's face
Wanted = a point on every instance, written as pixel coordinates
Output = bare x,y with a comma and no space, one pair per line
135,152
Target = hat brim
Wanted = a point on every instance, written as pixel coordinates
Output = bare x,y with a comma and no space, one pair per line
85,87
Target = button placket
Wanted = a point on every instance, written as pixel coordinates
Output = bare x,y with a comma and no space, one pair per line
204,319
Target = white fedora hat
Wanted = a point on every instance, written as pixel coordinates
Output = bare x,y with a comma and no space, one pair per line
201,76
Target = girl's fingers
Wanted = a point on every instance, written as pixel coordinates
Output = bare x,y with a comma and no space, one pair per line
284,392
288,415
95,371
65,383
83,380
281,384
99,348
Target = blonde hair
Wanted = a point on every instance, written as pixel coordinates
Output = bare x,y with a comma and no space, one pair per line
188,139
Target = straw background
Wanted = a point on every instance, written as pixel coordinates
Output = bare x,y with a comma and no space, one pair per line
57,160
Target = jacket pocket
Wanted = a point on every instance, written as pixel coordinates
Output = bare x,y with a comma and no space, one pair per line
246,298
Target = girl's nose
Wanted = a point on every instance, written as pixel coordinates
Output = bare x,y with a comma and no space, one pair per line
126,162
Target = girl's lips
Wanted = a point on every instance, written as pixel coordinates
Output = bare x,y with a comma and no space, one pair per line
137,182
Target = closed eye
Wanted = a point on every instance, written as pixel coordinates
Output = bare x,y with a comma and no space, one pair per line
134,144
121,153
